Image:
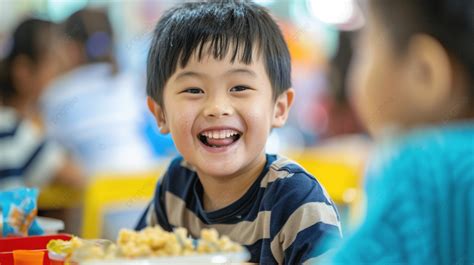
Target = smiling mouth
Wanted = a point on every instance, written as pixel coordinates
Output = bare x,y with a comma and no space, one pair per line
219,138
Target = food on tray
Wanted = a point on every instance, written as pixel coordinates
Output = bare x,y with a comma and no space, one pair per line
147,243
64,250
64,247
154,241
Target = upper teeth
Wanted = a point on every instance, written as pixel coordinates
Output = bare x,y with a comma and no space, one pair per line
219,134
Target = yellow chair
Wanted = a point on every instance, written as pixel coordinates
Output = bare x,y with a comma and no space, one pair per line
59,196
110,190
340,170
340,178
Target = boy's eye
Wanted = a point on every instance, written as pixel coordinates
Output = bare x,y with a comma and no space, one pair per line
193,90
239,88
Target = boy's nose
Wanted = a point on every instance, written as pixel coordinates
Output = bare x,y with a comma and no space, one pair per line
217,110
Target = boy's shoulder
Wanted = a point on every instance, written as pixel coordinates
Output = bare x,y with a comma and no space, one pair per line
281,176
282,170
178,173
286,179
300,206
282,180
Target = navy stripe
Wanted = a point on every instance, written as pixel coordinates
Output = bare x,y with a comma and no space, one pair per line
303,249
177,178
142,221
12,132
300,186
291,196
19,171
260,252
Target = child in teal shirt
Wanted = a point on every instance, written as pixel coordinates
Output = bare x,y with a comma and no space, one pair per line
413,88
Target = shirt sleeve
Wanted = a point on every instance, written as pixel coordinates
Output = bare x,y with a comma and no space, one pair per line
303,217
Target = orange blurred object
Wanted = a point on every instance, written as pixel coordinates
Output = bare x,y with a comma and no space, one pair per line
9,245
28,257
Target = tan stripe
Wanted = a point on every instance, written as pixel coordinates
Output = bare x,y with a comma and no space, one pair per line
151,218
281,162
305,216
274,172
187,165
245,232
273,175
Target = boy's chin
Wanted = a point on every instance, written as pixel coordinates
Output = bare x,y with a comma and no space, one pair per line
217,170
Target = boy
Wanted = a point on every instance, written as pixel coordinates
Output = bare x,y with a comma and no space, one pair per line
219,81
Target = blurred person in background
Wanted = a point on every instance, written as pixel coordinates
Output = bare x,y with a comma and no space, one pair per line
27,157
93,109
413,79
342,119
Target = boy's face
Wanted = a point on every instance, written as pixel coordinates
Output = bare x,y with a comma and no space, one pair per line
220,114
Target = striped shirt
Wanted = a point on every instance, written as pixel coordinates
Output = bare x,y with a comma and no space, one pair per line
280,219
420,195
26,157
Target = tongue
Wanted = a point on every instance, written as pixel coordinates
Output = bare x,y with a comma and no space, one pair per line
220,142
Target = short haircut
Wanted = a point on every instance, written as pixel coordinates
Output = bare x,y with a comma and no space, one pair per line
451,22
234,27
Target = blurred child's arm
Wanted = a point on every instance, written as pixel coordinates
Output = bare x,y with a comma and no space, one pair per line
70,173
46,162
56,167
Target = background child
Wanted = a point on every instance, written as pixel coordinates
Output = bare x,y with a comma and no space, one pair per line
413,87
27,157
100,120
219,81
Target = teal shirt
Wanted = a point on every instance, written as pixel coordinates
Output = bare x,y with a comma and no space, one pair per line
420,194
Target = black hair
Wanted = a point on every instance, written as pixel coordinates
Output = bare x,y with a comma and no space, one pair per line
91,28
451,22
31,38
239,27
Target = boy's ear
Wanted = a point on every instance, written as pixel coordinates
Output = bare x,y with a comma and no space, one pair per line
430,74
282,108
159,114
